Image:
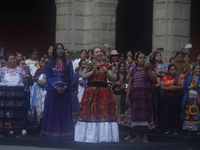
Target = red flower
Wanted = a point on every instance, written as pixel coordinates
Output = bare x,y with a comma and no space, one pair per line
190,103
85,112
95,95
97,112
111,112
191,118
105,97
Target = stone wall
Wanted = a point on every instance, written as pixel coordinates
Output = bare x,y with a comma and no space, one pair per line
84,24
171,25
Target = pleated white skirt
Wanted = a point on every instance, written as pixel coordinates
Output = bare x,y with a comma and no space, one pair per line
96,132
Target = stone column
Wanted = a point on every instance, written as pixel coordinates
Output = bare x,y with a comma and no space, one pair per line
171,25
85,24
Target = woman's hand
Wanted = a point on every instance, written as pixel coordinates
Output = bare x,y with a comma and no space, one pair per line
122,87
118,83
94,68
127,100
182,75
159,71
147,65
60,90
172,88
104,69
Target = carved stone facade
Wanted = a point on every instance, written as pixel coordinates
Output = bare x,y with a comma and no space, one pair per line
88,23
84,24
171,25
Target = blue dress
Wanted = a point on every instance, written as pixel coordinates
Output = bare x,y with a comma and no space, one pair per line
57,121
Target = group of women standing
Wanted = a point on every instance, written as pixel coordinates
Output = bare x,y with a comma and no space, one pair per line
86,100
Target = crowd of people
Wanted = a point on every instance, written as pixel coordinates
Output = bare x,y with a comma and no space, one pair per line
91,99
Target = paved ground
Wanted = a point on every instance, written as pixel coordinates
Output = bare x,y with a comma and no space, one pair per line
157,142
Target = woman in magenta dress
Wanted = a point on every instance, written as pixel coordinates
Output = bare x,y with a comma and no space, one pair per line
140,112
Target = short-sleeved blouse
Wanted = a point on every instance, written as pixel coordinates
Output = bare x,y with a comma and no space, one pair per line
12,77
162,67
170,82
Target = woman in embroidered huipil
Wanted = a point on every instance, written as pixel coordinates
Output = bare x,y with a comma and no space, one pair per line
57,120
191,101
140,92
11,96
97,122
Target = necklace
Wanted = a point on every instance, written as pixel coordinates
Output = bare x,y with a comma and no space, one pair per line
59,68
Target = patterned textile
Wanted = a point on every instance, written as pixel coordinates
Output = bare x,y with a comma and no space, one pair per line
12,77
140,111
41,93
11,108
192,111
97,103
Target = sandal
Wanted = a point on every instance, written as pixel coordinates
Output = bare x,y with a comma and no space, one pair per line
166,133
135,141
145,141
175,133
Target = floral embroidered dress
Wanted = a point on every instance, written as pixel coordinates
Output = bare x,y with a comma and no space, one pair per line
11,99
140,111
97,121
192,110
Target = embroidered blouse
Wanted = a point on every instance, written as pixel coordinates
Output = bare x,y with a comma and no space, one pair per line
12,77
56,78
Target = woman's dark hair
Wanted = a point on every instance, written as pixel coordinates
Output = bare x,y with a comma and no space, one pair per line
33,50
83,51
18,54
53,62
171,65
8,55
136,58
128,52
187,54
39,59
171,59
195,66
20,62
125,74
48,49
122,55
179,53
67,50
153,60
88,53
197,56
80,62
